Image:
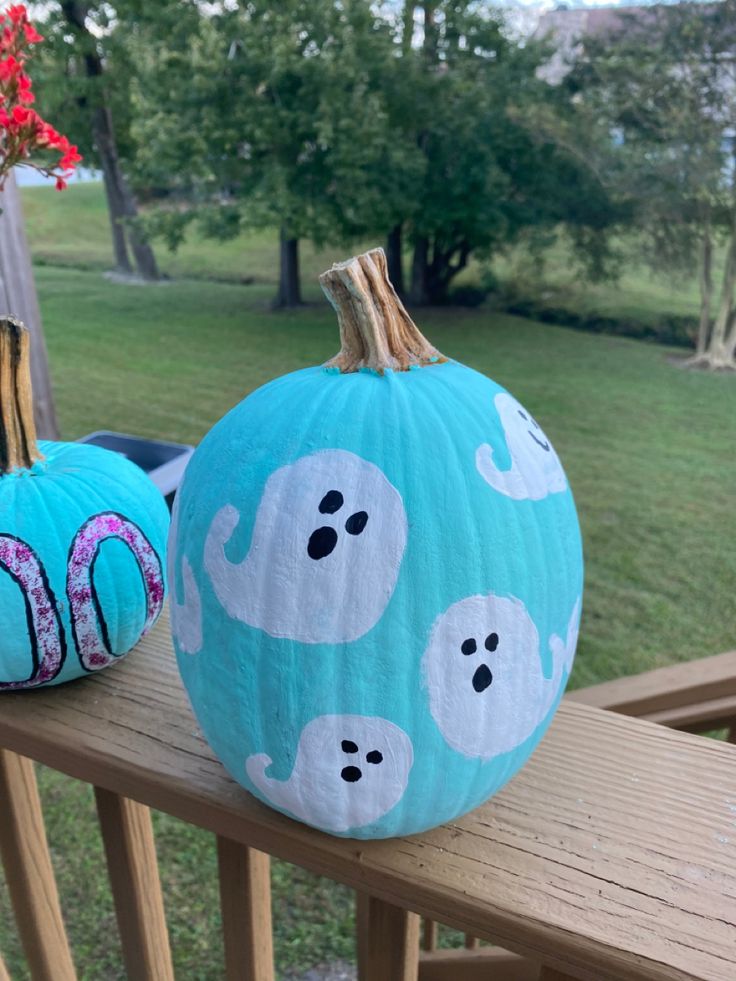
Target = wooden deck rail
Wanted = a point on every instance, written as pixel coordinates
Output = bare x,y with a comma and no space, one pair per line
612,855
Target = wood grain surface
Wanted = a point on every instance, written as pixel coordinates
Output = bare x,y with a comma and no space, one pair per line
18,298
387,940
245,900
29,873
127,833
611,855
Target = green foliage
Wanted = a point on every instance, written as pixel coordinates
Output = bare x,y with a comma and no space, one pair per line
278,110
660,94
314,117
69,93
490,172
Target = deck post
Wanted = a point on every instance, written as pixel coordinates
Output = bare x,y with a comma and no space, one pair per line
130,850
19,299
388,941
29,873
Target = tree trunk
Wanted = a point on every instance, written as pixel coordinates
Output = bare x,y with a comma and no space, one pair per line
429,45
115,209
289,293
120,201
18,297
407,27
705,280
718,354
394,259
419,289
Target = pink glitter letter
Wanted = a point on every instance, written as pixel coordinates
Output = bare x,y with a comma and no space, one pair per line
45,630
88,623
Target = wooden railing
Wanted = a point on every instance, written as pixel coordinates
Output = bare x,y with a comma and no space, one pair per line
612,855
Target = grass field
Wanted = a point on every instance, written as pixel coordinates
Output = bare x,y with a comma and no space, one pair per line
72,229
649,449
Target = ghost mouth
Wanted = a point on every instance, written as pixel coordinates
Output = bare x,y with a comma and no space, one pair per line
545,445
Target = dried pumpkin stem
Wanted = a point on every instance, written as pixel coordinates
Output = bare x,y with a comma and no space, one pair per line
376,332
18,447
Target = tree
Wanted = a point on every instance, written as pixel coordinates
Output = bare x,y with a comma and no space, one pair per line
467,99
272,115
325,120
663,90
86,77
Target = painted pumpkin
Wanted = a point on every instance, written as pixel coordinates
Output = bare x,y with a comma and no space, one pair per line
376,579
82,536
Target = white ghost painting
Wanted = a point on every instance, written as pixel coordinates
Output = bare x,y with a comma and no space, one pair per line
327,545
483,674
563,651
350,770
186,617
535,469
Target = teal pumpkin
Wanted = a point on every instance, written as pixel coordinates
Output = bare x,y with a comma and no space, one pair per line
82,539
376,578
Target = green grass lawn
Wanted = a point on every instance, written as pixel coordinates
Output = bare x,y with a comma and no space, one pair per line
648,447
72,229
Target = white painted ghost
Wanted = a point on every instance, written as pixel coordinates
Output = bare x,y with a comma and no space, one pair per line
186,617
350,770
564,650
535,469
328,540
483,673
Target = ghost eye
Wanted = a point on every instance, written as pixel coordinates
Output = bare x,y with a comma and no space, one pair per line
375,757
348,746
491,642
469,646
331,502
523,415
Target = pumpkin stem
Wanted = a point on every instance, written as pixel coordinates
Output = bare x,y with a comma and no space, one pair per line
376,332
18,447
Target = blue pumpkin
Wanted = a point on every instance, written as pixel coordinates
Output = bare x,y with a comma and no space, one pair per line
82,536
376,578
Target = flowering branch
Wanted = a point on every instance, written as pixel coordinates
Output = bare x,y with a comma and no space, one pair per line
22,131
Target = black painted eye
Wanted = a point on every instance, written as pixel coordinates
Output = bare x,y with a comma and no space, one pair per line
351,774
321,543
491,642
331,502
348,746
523,415
374,756
356,523
482,678
469,646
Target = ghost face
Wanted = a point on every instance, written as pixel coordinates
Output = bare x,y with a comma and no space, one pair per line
328,541
483,673
535,470
350,770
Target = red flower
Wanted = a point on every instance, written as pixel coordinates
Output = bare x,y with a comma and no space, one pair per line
17,13
22,131
32,35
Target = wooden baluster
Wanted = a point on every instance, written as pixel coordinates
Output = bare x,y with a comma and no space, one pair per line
731,736
471,942
127,834
429,935
29,873
4,976
245,898
388,941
